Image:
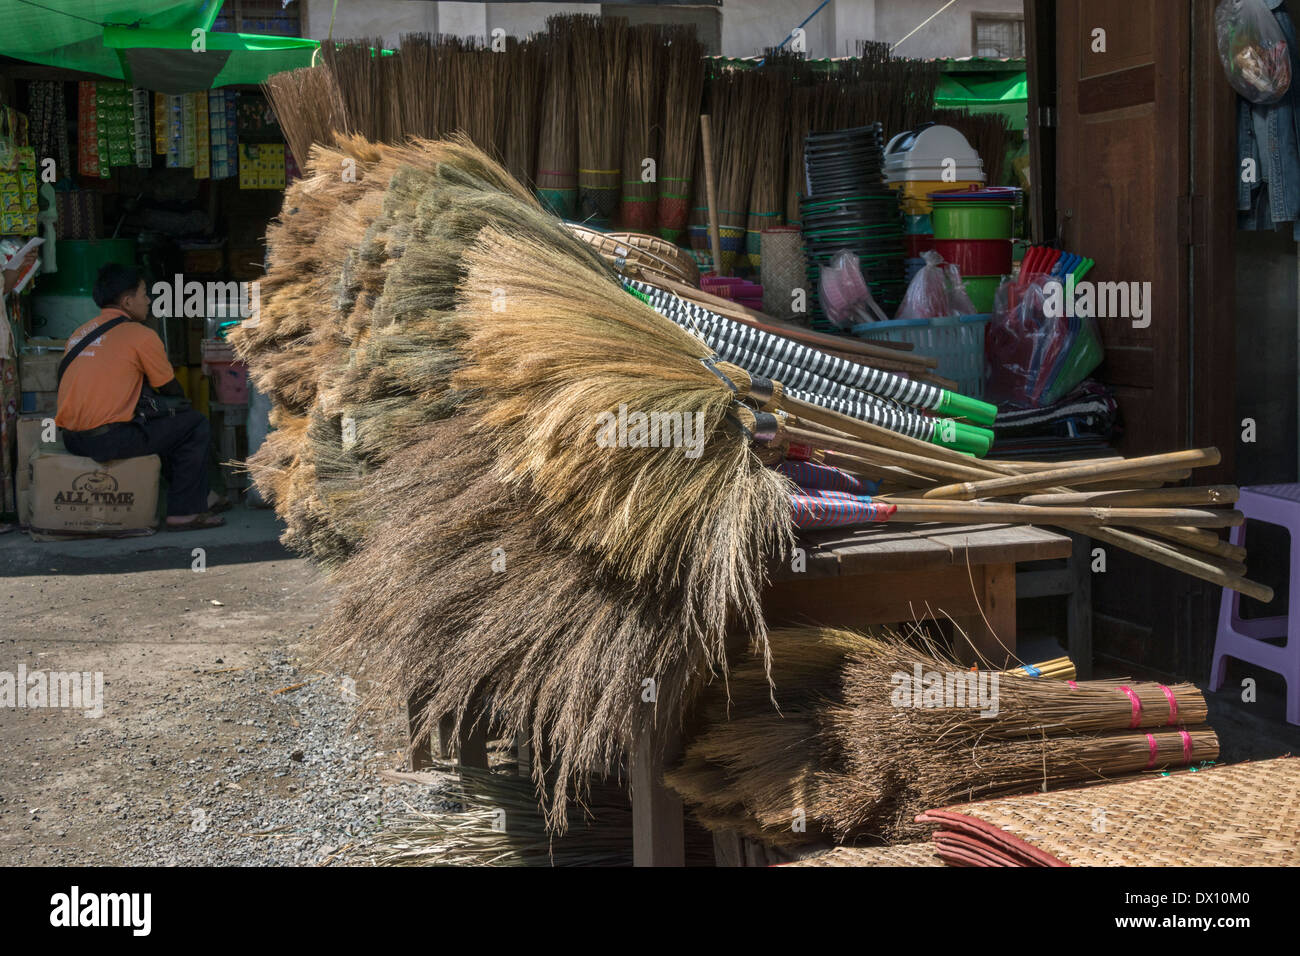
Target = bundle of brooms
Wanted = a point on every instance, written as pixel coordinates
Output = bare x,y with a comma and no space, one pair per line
600,76
869,731
683,93
440,352
641,138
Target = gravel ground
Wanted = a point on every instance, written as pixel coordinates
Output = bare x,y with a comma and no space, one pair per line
208,752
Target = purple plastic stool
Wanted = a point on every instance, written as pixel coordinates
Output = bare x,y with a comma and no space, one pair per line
1247,640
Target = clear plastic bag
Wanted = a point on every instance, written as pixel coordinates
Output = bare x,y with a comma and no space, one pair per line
1037,352
935,291
1253,50
845,296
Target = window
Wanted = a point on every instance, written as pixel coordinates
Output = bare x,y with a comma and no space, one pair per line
266,17
999,35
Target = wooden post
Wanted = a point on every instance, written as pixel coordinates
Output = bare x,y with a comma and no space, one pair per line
658,822
991,636
1079,609
420,753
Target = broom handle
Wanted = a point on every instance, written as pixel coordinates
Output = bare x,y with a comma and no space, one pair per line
1150,498
915,510
1079,474
768,323
711,192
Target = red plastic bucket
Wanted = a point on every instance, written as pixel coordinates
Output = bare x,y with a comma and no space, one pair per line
976,257
913,246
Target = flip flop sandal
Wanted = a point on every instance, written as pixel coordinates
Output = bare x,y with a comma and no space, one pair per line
205,520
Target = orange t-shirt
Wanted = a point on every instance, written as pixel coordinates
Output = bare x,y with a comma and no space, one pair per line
102,384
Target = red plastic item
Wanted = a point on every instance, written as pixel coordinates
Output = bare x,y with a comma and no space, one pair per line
976,257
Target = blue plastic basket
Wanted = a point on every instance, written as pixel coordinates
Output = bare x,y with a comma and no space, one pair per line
957,341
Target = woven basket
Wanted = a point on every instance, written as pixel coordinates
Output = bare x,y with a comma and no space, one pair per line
905,854
782,270
663,249
631,258
1243,815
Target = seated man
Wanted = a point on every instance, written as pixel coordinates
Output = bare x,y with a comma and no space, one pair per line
100,387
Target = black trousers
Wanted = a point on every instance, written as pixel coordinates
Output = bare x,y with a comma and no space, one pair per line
181,440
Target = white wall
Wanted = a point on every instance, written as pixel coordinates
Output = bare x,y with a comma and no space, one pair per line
387,19
948,34
748,26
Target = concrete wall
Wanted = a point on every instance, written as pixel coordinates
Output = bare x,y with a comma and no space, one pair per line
748,26
948,34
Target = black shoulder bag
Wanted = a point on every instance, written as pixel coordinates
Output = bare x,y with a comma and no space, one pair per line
150,405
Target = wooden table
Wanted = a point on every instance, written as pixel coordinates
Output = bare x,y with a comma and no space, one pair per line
861,578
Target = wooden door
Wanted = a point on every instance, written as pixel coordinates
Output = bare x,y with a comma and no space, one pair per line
1145,184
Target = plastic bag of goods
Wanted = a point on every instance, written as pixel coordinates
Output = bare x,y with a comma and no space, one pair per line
1037,348
935,291
845,296
1253,50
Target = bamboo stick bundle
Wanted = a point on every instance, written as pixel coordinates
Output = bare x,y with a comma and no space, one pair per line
736,96
638,210
353,66
600,63
683,93
557,139
767,195
309,107
480,78
522,104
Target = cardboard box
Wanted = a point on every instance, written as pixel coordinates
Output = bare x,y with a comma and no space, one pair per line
72,496
32,431
38,365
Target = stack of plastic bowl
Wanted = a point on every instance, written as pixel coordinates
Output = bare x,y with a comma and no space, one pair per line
920,162
847,206
972,230
927,160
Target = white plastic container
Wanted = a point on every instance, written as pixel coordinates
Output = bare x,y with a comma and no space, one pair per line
929,153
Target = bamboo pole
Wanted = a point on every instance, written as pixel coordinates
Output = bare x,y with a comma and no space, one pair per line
711,192
1078,474
1141,498
1171,556
992,512
879,456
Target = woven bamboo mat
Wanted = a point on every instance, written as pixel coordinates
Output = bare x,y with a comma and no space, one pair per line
905,854
1243,815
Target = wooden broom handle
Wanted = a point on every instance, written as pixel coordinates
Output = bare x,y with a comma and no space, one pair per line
711,192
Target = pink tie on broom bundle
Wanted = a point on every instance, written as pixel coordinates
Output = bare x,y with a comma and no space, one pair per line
831,498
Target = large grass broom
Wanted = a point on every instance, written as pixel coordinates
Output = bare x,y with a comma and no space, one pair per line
683,92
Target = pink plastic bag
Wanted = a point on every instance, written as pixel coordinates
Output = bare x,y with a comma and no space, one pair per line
935,291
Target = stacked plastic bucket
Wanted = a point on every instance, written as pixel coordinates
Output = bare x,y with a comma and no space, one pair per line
972,230
920,162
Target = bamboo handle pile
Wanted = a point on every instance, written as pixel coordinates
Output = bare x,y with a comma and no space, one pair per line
1118,502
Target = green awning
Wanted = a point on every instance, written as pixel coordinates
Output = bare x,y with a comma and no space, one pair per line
145,42
165,60
70,33
1005,93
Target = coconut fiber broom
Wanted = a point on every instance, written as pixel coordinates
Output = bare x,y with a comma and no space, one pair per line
557,138
855,747
683,93
641,139
600,64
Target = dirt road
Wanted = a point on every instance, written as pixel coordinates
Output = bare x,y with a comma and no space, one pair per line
218,743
